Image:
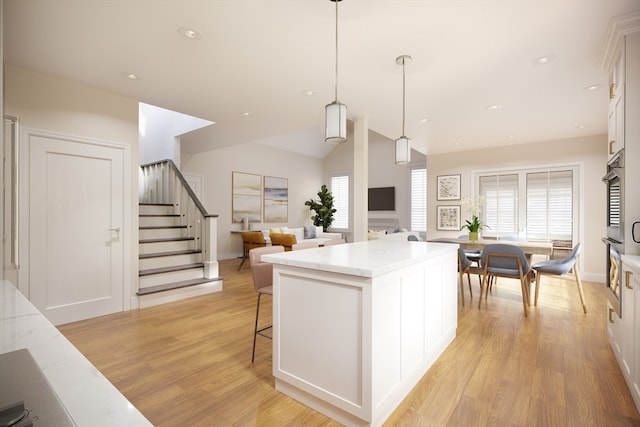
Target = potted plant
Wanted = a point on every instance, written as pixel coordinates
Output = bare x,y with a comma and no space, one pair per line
474,225
324,209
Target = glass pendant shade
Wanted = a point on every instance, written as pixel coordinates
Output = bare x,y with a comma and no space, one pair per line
335,123
403,150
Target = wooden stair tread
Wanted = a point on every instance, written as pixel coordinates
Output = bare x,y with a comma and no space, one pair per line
165,239
155,204
175,285
160,270
159,215
172,253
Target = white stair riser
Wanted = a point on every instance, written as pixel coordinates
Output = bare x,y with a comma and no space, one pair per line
170,277
169,261
158,247
162,233
178,294
158,221
156,209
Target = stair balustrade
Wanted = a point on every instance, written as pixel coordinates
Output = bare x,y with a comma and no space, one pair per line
163,183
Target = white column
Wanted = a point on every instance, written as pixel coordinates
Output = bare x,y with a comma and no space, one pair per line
210,247
360,178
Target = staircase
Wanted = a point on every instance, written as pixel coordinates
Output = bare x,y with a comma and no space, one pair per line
176,241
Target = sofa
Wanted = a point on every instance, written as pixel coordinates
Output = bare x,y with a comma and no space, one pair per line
398,235
303,234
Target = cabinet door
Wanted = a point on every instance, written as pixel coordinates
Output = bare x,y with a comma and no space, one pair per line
616,122
635,384
614,330
628,335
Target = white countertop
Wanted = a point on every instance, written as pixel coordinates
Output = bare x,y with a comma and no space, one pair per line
87,395
631,260
366,259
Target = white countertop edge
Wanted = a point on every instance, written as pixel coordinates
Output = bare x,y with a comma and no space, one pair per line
632,260
365,259
86,394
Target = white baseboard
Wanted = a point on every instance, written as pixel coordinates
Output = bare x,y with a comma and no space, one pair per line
143,301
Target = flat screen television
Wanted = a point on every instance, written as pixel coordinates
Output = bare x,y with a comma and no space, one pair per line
382,199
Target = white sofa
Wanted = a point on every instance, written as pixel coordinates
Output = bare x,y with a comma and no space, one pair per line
320,236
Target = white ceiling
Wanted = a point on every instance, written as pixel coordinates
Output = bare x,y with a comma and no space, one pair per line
260,56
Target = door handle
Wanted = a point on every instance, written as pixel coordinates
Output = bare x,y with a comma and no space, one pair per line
611,146
627,280
116,229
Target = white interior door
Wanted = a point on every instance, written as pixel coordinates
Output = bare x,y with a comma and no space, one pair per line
75,228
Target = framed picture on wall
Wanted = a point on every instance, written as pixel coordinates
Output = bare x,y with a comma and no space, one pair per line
449,218
449,187
246,189
276,199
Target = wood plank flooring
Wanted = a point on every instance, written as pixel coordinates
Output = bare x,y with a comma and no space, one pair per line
189,363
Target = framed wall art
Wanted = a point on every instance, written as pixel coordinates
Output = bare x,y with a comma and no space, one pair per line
449,187
246,189
449,218
276,199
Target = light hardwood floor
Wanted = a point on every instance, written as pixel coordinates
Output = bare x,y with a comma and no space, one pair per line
189,363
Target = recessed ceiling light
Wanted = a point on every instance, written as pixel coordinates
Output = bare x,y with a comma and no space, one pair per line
190,33
542,60
131,76
592,87
581,126
424,120
511,136
309,92
494,107
246,114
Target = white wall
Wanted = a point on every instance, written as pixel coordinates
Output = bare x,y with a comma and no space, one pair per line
589,151
48,103
304,175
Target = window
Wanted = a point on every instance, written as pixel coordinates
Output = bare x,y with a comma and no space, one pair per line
538,204
340,191
418,221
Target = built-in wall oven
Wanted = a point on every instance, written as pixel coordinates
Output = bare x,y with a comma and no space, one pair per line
614,241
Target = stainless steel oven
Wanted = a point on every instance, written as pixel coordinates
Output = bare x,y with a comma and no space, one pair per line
614,180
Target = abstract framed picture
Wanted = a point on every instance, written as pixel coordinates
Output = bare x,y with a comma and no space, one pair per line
449,187
449,218
276,199
246,189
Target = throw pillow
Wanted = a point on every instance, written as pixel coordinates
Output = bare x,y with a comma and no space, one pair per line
309,232
275,230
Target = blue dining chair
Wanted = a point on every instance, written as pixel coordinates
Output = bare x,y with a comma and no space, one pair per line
561,267
505,260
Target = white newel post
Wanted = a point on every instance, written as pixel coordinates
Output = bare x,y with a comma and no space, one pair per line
211,247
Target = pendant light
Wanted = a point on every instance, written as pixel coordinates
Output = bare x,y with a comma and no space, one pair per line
336,113
403,144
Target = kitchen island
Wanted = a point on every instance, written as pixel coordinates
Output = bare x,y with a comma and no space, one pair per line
27,338
357,325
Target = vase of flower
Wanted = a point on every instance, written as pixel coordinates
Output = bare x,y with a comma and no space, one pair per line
474,225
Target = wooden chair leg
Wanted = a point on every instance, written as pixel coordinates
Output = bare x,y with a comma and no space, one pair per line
470,290
523,286
460,280
535,300
579,283
482,284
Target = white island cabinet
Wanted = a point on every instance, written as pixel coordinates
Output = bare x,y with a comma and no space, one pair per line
357,325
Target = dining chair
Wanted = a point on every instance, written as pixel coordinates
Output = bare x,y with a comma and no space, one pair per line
304,245
466,266
412,238
513,238
472,254
283,239
505,260
262,274
561,267
334,242
251,240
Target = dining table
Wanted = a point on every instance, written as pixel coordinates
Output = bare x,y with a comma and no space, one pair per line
528,247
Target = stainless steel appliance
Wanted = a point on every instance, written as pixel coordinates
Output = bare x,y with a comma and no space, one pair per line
614,180
26,398
614,270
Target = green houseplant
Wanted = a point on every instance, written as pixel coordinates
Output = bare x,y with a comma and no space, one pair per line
474,225
324,208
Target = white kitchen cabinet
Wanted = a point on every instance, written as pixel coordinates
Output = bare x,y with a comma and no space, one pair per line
616,107
614,330
627,332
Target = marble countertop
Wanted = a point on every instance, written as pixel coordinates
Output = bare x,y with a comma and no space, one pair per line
366,259
632,260
87,395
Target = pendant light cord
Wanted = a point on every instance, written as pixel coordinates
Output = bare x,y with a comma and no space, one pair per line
336,94
403,96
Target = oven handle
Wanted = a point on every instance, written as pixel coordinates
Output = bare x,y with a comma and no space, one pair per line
613,173
633,232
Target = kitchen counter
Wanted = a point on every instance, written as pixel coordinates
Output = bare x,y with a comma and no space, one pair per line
357,325
88,397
